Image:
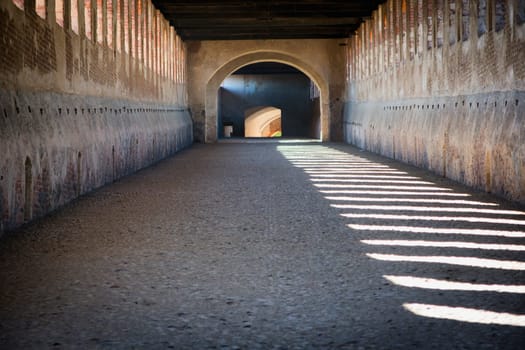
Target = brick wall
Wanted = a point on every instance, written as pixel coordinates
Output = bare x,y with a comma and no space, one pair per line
78,112
441,85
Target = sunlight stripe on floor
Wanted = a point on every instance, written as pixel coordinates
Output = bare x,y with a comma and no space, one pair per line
430,283
434,218
453,260
448,244
402,195
437,230
466,314
422,208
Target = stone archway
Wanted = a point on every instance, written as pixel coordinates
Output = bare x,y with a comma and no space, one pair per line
262,121
212,87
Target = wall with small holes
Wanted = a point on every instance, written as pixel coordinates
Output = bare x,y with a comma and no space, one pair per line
77,112
446,93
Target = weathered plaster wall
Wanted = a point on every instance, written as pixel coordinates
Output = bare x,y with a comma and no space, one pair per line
210,62
446,93
76,114
75,144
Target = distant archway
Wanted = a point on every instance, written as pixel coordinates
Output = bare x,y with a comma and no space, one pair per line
262,122
213,85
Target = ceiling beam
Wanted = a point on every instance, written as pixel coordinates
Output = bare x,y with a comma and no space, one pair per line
273,22
265,19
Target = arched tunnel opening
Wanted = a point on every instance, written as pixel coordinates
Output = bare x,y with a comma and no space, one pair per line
268,99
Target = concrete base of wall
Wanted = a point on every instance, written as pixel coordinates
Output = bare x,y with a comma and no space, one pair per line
55,147
478,140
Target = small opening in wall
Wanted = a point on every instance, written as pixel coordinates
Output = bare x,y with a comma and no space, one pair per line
5,112
40,8
482,17
59,12
517,102
505,103
67,111
477,104
19,4
29,109
113,162
452,22
74,16
76,111
501,9
87,18
99,21
60,111
520,12
470,104
456,105
79,174
465,20
28,196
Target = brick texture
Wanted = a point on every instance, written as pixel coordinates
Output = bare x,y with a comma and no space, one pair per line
457,109
83,113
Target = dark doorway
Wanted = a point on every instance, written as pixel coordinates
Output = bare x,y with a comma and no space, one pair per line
269,84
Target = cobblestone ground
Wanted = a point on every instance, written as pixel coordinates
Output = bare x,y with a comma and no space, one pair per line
269,245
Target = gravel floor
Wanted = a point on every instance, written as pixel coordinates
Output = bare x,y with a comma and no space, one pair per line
269,245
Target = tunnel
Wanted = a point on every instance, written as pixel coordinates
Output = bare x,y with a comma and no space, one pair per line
262,174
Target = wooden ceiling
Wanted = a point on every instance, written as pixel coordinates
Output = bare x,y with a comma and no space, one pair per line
270,19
